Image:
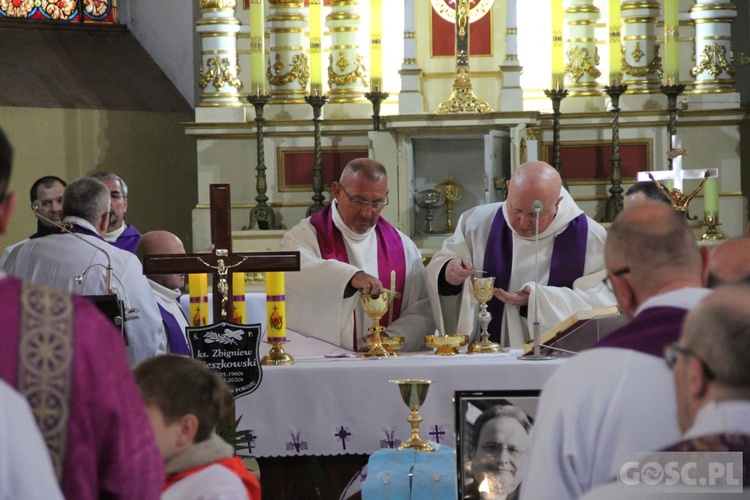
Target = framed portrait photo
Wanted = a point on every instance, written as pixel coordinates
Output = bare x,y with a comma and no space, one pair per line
492,441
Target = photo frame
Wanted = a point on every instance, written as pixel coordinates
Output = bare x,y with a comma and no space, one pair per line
506,416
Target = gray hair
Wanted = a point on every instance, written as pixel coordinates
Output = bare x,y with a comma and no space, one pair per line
110,175
87,198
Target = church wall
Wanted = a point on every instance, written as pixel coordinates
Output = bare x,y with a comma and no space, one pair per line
150,151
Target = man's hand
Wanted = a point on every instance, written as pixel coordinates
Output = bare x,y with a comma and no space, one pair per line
366,283
520,298
458,270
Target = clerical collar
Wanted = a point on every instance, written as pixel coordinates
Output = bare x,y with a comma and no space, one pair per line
81,226
113,235
341,226
168,293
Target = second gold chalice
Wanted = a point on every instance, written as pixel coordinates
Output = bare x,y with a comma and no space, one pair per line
446,345
414,392
375,306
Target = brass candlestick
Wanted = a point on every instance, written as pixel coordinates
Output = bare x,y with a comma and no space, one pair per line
414,392
375,306
277,356
711,219
452,192
484,289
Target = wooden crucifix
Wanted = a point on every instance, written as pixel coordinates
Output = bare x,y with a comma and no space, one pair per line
221,262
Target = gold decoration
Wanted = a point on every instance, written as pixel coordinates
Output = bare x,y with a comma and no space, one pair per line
677,198
218,74
448,12
640,71
741,59
300,71
17,9
714,60
358,73
637,53
60,9
579,63
218,4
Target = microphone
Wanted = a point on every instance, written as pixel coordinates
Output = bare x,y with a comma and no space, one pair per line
537,206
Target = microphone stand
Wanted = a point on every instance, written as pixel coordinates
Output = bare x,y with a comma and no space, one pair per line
537,355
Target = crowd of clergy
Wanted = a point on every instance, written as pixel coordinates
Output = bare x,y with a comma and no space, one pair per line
675,377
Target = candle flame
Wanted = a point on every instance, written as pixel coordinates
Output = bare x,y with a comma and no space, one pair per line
484,486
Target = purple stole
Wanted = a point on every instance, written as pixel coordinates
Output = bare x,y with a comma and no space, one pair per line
568,261
391,255
128,240
75,228
648,332
175,335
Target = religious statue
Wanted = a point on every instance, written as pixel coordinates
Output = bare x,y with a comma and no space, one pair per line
679,200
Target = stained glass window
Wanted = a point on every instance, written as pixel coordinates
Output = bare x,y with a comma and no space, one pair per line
76,11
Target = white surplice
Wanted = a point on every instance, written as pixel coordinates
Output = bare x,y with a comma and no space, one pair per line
315,303
56,259
168,298
457,314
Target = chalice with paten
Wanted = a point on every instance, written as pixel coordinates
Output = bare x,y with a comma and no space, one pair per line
414,392
484,290
375,306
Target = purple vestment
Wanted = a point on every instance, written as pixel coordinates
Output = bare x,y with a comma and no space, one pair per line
567,265
391,255
648,332
175,333
128,240
110,451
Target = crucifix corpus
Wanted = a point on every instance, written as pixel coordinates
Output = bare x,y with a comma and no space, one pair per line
677,175
222,259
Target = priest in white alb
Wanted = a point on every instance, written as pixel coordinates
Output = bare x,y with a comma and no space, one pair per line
347,249
499,240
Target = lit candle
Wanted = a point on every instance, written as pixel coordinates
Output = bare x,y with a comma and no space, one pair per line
671,42
376,49
239,314
275,306
198,291
711,195
257,50
558,56
615,44
316,49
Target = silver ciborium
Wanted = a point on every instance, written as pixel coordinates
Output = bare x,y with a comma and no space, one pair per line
414,392
375,306
484,289
428,200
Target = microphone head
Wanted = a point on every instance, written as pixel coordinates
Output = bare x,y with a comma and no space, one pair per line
537,206
36,205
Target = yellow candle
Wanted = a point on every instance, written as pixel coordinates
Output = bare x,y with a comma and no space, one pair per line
615,44
711,195
257,51
671,42
198,290
558,56
275,306
316,49
239,313
376,49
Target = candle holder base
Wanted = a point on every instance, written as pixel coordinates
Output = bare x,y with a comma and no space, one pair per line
711,219
535,357
277,356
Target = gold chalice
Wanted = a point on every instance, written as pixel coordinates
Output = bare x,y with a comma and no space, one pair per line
483,291
446,345
375,306
414,393
452,192
391,343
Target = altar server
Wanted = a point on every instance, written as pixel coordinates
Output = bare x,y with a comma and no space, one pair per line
347,249
499,239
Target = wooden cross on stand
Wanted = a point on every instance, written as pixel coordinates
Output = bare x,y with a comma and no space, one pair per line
222,262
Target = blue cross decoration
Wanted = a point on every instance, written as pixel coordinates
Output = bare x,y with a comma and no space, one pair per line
437,432
342,435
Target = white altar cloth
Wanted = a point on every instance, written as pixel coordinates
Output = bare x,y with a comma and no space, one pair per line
337,406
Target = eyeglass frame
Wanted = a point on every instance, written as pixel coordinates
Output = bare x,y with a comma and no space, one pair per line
360,204
671,351
492,449
608,282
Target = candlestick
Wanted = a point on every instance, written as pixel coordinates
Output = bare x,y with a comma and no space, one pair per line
615,45
558,56
257,50
198,290
615,201
239,313
671,42
316,49
376,48
276,321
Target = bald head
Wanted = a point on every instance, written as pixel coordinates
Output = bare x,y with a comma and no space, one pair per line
729,262
650,250
162,242
533,181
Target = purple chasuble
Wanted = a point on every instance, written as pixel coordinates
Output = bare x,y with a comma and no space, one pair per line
648,332
568,261
175,334
391,255
128,240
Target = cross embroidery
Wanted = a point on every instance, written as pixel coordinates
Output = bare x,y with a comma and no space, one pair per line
437,432
342,435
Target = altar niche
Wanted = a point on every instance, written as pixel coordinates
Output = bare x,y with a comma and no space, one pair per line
479,164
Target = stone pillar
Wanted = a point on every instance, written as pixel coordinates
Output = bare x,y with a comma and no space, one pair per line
511,93
347,74
217,76
581,55
287,67
713,70
410,97
641,61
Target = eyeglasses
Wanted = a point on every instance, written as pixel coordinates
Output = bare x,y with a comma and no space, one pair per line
360,203
496,449
608,282
670,356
